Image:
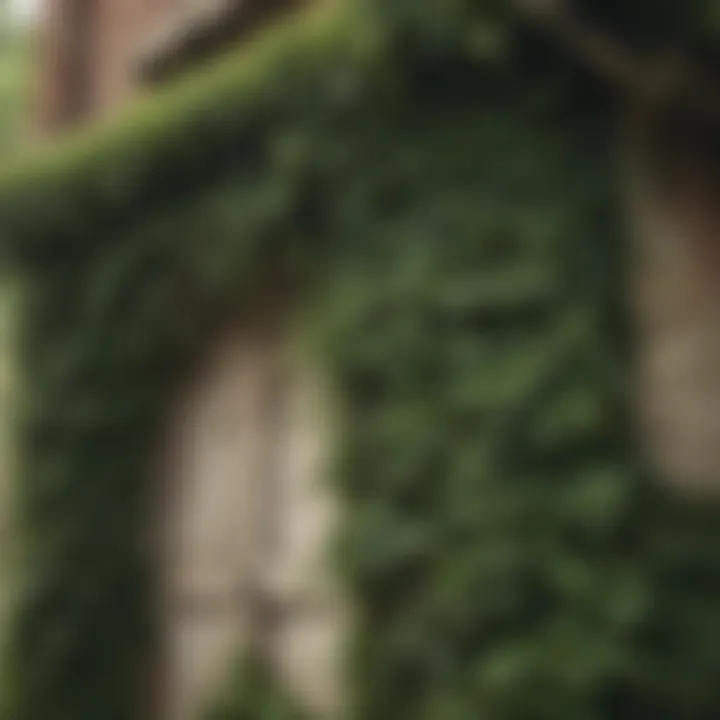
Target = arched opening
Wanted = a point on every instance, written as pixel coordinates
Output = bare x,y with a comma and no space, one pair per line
246,519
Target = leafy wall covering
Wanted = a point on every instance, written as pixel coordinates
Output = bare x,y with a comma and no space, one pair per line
440,183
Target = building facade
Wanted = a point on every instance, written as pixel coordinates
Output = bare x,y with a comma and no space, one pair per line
240,519
97,54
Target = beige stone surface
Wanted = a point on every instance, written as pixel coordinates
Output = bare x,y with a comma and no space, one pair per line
677,292
247,507
310,657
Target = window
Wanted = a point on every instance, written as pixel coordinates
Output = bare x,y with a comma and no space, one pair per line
247,520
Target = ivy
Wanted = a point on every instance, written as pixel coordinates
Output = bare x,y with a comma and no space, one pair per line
254,692
449,217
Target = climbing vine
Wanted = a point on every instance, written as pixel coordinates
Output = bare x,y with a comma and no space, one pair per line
440,185
253,692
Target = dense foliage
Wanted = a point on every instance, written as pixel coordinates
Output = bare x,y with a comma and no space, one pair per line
442,190
252,693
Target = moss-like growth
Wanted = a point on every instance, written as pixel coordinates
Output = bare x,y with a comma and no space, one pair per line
254,693
446,206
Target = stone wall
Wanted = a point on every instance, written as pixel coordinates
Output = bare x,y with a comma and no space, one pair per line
677,291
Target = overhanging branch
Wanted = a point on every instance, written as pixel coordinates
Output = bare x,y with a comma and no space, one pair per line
658,81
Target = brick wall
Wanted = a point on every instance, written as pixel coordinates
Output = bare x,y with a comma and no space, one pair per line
88,54
96,54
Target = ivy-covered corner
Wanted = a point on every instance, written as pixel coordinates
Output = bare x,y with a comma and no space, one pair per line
440,183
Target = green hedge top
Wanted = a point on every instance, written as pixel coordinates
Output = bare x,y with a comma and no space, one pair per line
313,63
167,143
171,142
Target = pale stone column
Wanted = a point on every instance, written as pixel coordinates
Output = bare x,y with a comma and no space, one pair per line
310,653
676,283
214,464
